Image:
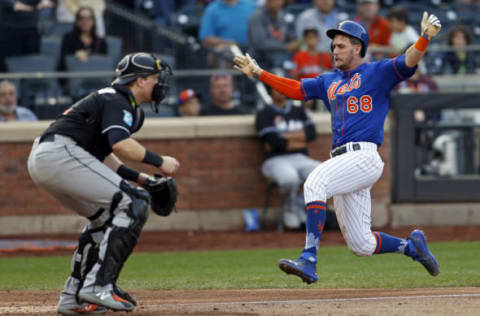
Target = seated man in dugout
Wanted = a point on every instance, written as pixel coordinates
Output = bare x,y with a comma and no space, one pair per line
285,130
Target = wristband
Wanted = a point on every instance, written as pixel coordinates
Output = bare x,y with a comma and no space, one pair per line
127,173
422,43
152,159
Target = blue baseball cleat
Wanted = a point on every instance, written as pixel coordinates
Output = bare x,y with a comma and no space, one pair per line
305,268
422,254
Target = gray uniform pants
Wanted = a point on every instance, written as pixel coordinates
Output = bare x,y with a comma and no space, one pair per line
81,183
289,172
74,177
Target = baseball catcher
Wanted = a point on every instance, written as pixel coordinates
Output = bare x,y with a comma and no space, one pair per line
77,160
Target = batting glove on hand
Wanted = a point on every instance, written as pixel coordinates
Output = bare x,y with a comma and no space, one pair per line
247,65
430,25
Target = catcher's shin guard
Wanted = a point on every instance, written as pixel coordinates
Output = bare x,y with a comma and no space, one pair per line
122,240
83,260
85,256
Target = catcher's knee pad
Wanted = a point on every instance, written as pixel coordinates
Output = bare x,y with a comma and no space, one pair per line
138,208
363,246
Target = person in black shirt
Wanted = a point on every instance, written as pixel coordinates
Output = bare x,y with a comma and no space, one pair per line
82,41
459,61
285,130
77,161
19,28
221,91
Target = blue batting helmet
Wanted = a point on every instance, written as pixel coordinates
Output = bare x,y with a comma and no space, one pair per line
354,29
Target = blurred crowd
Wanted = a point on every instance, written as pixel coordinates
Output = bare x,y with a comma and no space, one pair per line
282,35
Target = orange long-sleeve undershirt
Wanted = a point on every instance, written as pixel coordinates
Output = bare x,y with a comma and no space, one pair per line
288,87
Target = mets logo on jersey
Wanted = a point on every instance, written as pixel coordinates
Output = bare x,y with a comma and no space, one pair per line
354,83
354,104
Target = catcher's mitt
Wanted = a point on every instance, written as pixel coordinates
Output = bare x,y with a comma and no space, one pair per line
164,193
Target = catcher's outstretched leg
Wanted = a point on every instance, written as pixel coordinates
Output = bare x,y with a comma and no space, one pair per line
117,245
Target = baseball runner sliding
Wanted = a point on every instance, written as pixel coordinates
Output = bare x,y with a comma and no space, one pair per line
357,94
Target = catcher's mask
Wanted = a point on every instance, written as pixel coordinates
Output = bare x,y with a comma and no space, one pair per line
137,65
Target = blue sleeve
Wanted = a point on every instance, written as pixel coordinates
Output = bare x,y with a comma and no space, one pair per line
396,69
314,88
207,27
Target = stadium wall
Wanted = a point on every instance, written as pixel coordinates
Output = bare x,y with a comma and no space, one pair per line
219,176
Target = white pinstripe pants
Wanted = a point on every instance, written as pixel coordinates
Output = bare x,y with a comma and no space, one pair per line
348,179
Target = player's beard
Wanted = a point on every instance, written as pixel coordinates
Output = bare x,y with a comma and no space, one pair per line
347,61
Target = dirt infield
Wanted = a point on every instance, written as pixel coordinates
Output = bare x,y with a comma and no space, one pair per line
444,301
439,301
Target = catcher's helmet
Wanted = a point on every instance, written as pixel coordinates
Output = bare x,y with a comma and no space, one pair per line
136,65
353,29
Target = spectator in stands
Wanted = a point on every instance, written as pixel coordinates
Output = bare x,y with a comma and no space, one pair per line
378,29
225,22
222,103
67,9
188,103
19,33
268,37
82,41
9,109
403,35
321,17
285,131
310,62
459,61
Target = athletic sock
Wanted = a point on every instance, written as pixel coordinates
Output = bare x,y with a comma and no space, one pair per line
387,244
316,214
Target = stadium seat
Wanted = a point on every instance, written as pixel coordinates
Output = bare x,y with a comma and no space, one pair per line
114,47
57,29
81,86
51,46
33,88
